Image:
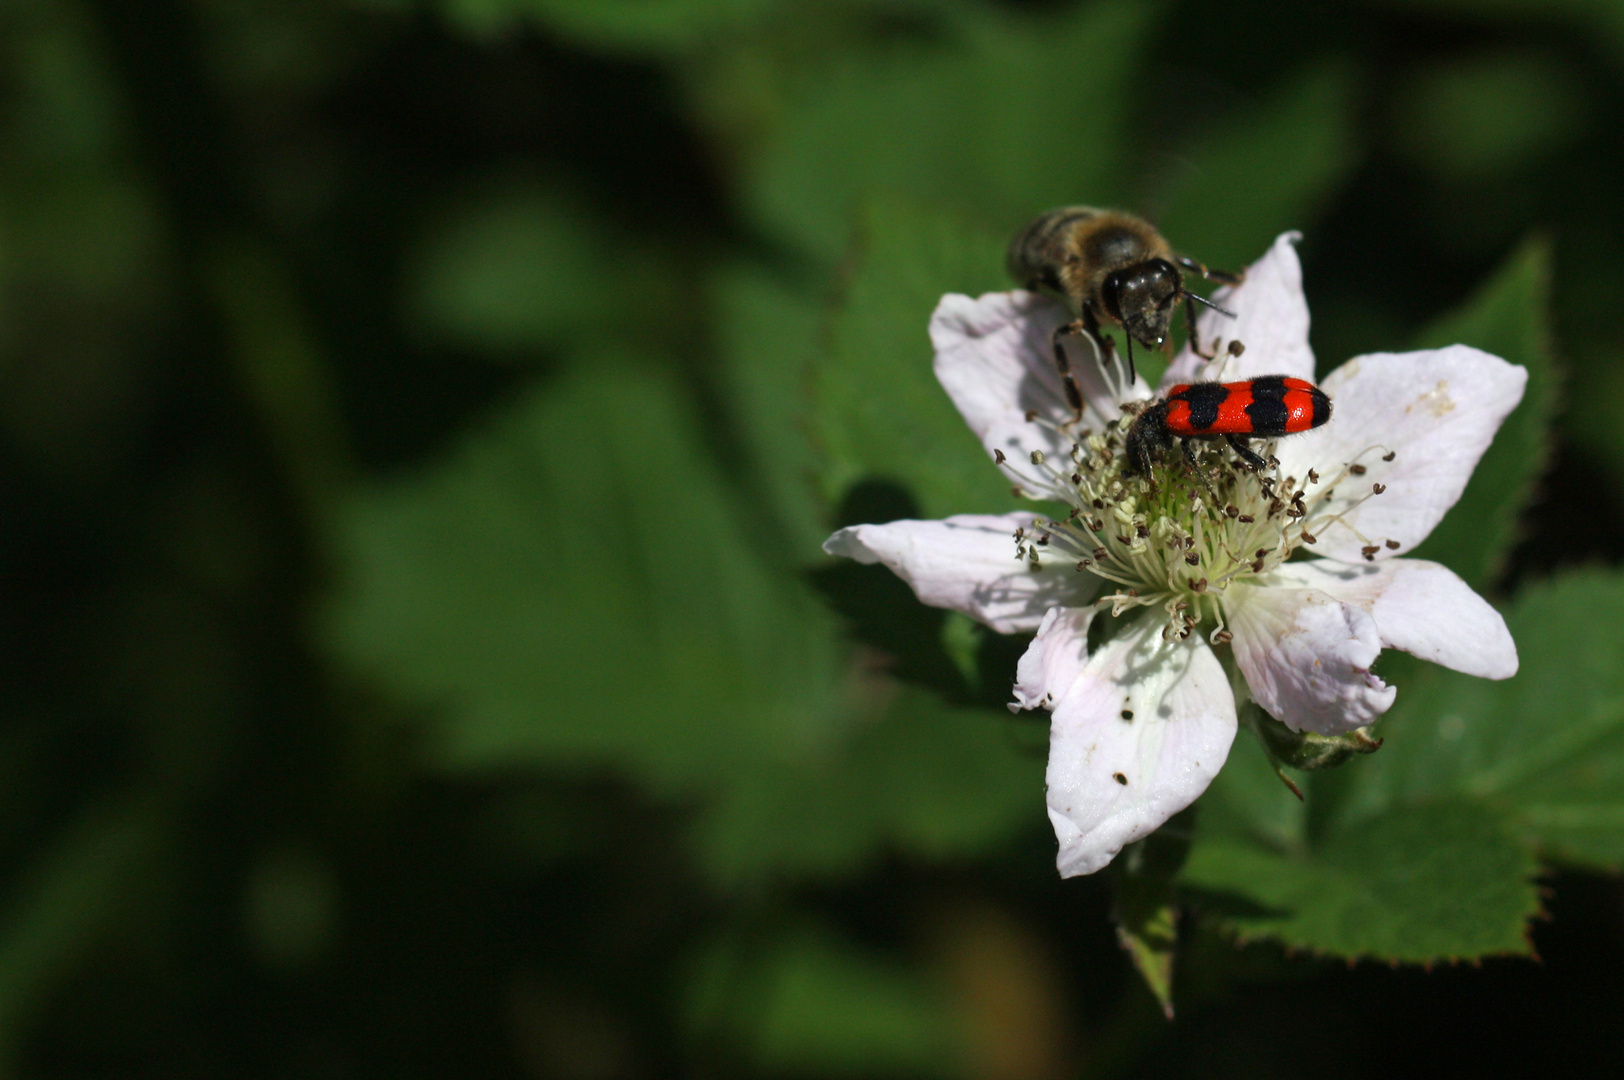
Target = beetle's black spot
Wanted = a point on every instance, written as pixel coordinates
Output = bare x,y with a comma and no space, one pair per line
1204,399
1268,416
1322,411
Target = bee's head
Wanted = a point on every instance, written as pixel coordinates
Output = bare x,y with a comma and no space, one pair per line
1142,297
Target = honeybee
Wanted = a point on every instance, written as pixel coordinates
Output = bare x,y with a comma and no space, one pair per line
1108,266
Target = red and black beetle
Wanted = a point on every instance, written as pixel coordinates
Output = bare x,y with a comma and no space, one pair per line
1265,407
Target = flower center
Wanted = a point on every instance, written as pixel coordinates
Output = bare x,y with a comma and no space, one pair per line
1180,537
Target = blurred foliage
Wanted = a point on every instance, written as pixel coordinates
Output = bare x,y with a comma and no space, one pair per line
420,421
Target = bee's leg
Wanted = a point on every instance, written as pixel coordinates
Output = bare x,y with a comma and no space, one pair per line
1195,335
1107,345
1074,393
1223,277
1238,444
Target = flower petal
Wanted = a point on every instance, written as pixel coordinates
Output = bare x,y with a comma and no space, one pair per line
1141,732
968,563
995,360
1055,658
1420,607
1307,657
1271,320
1436,411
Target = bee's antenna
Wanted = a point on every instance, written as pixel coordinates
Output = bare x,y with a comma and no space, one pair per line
1132,377
1208,303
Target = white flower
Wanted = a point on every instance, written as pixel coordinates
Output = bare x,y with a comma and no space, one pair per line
1141,725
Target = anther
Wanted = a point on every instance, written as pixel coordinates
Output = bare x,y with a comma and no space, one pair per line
1232,511
1392,545
1378,488
1260,552
1031,415
1127,714
1245,519
1357,469
1313,477
998,457
1100,553
1199,585
1043,539
1099,504
1037,457
1236,348
1390,455
1193,559
1077,478
1119,778
1369,552
1222,637
1085,564
1310,538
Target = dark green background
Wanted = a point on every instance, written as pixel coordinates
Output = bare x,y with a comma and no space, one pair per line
417,426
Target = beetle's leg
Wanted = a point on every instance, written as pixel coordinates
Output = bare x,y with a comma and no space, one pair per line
1251,457
1195,466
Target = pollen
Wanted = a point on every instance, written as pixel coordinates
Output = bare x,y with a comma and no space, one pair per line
1146,535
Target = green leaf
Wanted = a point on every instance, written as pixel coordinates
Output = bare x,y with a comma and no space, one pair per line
1535,762
1508,317
523,266
1144,905
1002,116
656,27
1249,801
924,780
1263,171
812,1003
1545,748
574,586
58,910
1423,883
1490,111
769,339
880,413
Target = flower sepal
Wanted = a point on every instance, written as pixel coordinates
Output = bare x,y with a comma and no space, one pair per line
1144,906
1308,751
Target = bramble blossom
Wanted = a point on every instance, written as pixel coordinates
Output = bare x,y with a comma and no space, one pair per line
1206,599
